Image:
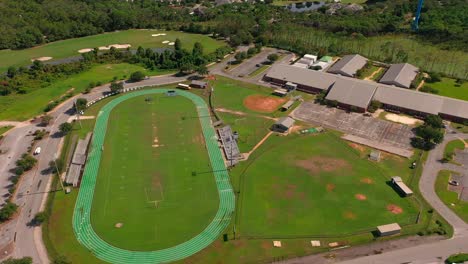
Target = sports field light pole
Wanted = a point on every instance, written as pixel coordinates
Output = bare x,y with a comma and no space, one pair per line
58,172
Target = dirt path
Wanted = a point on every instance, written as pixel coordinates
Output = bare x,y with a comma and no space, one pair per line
421,84
240,113
369,78
247,155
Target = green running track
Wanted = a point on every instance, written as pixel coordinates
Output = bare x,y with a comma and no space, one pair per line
82,219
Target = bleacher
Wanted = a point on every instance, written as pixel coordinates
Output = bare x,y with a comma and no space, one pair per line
78,161
231,150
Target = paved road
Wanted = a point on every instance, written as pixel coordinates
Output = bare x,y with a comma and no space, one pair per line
435,252
31,193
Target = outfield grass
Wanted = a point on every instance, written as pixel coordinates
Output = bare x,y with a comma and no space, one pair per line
135,37
450,198
21,107
4,129
145,179
447,87
312,181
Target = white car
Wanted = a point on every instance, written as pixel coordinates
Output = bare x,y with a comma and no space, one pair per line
37,151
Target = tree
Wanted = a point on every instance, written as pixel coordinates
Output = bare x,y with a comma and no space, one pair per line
61,260
177,45
25,260
39,218
273,57
434,121
26,162
116,86
374,105
7,211
80,104
197,49
65,128
57,164
11,72
202,70
137,76
186,68
45,120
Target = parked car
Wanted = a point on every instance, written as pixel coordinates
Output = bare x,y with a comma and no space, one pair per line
37,151
454,183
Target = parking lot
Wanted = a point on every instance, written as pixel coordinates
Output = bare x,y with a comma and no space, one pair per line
376,130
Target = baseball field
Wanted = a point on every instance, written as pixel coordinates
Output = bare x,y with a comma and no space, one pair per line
155,187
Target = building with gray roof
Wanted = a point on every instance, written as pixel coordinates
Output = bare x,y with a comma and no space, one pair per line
408,101
348,65
307,80
400,75
352,93
283,124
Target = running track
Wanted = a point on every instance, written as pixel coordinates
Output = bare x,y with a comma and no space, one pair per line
81,217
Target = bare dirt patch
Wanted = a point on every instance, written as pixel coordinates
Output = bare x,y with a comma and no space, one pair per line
349,215
263,103
367,180
317,164
330,187
394,209
360,197
118,225
357,147
267,245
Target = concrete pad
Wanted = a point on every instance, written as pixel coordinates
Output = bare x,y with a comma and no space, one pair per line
315,243
277,243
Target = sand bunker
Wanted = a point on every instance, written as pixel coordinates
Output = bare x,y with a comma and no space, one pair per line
318,164
165,42
406,120
262,103
171,43
159,34
117,46
360,197
118,225
42,59
394,209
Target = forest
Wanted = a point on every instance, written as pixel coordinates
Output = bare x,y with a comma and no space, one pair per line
443,24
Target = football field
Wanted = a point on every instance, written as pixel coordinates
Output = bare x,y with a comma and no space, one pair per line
155,188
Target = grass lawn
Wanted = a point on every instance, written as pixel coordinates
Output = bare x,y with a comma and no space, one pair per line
4,129
453,145
318,183
21,107
449,197
134,37
447,87
368,71
460,127
145,179
259,70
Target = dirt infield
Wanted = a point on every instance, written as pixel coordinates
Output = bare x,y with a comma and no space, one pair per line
316,164
394,209
262,103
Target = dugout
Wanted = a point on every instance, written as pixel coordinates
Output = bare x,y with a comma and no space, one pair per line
388,230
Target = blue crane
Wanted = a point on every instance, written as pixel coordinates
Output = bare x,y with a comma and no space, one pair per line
415,24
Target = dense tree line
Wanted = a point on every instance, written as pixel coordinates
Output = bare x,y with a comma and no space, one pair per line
31,22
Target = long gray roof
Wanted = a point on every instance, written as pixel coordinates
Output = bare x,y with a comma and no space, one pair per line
400,75
348,65
316,79
352,92
409,99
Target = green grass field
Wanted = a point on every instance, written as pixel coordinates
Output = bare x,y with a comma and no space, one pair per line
135,37
20,107
453,145
4,129
145,180
448,197
315,182
447,87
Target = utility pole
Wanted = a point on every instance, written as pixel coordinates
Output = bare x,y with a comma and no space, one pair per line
77,114
58,172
